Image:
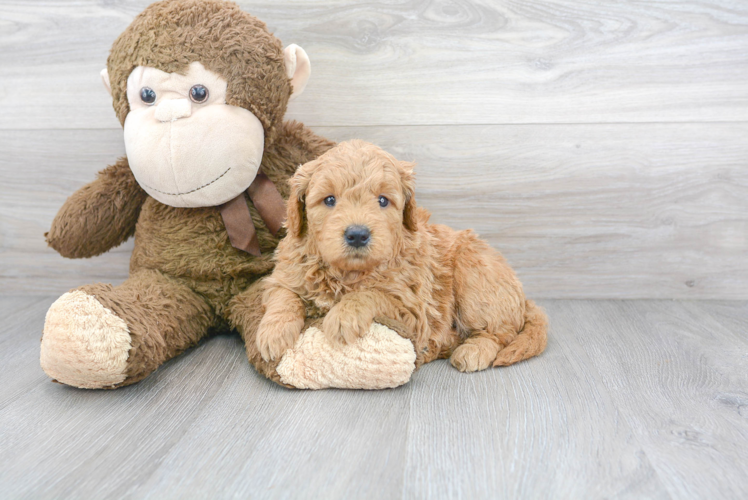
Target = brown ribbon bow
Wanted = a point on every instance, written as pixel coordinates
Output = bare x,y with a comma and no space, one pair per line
269,204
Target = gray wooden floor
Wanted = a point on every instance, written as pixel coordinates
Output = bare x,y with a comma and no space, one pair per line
632,399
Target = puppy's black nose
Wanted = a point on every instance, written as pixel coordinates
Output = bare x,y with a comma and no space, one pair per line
357,236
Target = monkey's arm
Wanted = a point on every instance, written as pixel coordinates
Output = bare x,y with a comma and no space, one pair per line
100,215
294,146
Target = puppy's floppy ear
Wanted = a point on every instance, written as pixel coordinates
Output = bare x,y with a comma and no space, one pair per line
408,178
296,208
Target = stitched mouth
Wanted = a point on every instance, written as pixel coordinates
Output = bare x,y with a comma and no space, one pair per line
191,190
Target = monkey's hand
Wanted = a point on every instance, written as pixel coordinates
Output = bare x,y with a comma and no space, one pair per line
100,215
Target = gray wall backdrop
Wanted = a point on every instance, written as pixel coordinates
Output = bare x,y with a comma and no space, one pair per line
601,146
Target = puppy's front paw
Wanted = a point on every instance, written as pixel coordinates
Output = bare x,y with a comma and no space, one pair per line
274,337
344,327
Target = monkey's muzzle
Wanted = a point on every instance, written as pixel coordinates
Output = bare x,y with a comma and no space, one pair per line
187,155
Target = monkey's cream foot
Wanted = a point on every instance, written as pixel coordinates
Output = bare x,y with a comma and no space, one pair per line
84,344
379,359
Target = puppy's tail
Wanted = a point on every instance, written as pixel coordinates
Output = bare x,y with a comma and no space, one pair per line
530,341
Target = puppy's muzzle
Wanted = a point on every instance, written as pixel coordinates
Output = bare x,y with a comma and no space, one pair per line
357,236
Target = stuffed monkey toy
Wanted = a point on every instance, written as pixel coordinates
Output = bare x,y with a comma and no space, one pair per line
200,88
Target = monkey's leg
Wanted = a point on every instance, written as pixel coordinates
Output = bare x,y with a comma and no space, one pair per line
379,359
245,313
99,336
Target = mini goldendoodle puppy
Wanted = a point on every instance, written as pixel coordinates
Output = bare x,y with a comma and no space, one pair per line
358,249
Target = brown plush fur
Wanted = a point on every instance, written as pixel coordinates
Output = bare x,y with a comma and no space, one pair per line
186,279
455,295
100,215
171,34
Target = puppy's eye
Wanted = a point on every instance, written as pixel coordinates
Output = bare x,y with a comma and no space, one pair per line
330,201
198,93
147,95
383,202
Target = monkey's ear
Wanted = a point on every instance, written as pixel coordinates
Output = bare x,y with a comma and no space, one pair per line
409,190
298,68
105,80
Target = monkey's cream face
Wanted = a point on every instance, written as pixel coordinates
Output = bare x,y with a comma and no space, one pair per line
185,145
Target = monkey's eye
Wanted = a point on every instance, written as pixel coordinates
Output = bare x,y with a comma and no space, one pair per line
198,93
383,202
147,95
330,201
